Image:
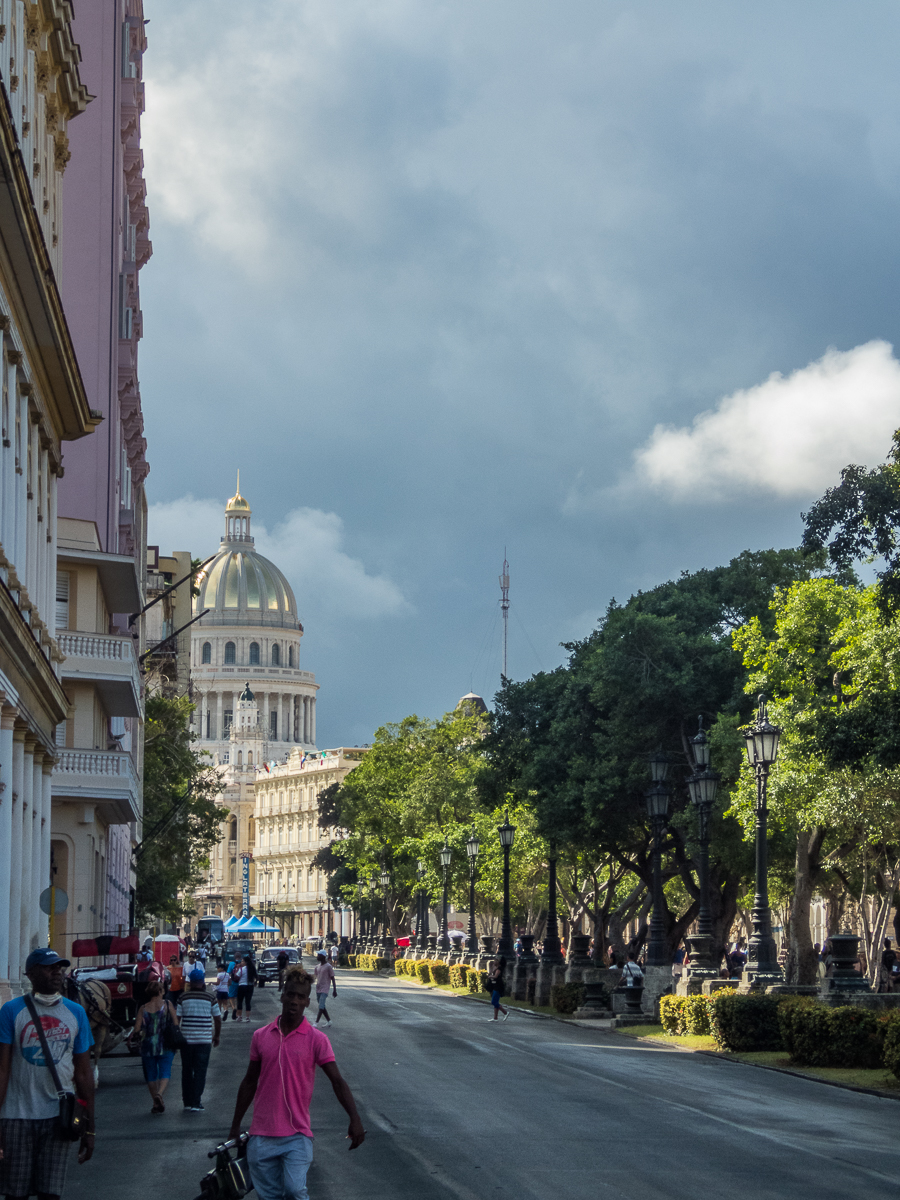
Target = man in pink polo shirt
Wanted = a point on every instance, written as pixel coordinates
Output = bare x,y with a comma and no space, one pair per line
279,1084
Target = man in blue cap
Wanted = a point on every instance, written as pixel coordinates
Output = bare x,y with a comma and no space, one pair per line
33,1155
201,1024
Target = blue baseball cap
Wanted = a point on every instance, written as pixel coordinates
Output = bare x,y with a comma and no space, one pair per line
45,957
197,977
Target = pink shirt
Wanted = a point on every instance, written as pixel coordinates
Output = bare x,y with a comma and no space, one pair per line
286,1078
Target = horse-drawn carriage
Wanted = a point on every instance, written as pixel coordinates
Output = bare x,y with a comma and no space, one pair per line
110,993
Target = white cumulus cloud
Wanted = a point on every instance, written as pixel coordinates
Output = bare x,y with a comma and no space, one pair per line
789,436
307,546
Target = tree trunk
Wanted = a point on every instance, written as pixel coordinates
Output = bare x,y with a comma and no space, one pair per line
802,961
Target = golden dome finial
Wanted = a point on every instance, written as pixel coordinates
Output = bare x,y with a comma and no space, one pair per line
237,503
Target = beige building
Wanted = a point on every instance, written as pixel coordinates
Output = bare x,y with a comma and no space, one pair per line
289,890
167,665
97,800
43,406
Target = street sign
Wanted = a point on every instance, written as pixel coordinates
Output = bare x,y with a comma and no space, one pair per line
53,899
245,885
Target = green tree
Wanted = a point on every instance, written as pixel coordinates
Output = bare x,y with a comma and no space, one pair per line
572,744
181,818
829,657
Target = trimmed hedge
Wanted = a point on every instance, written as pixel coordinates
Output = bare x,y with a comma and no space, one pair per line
477,981
891,1057
566,997
440,972
744,1023
847,1036
371,962
459,973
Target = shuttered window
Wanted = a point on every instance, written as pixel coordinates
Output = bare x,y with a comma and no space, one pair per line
62,599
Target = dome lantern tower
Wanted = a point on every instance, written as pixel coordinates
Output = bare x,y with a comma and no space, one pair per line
237,517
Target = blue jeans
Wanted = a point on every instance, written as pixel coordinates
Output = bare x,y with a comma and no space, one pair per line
278,1166
194,1061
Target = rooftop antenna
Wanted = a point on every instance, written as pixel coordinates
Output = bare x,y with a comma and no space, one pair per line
504,608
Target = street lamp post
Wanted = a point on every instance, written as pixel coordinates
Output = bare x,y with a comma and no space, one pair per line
507,834
472,847
657,809
702,786
357,928
373,925
551,950
443,936
762,740
385,884
421,910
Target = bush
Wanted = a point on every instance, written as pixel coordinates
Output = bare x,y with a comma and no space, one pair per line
422,970
401,965
477,981
697,1016
891,1052
459,973
351,959
566,997
671,1013
847,1036
745,1023
440,972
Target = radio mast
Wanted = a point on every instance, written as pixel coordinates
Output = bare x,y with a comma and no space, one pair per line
504,608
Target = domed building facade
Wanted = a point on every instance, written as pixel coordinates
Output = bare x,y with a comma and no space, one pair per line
253,702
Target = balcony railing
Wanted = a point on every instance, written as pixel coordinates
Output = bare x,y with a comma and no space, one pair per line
108,662
232,847
102,777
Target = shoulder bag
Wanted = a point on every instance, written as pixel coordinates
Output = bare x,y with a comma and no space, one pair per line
73,1117
172,1037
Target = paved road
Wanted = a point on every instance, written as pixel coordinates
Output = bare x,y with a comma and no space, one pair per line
457,1109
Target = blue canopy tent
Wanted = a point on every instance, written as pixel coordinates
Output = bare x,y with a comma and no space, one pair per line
231,922
253,925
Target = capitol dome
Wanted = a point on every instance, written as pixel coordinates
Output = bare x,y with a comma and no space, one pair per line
240,586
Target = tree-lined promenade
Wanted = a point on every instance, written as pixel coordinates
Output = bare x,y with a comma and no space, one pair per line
565,753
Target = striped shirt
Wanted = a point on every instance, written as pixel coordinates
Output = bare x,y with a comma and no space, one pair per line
198,1009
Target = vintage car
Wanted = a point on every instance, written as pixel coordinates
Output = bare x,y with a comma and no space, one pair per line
267,966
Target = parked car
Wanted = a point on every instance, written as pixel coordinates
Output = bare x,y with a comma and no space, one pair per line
267,967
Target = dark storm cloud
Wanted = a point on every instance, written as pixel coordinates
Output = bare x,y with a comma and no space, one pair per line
438,268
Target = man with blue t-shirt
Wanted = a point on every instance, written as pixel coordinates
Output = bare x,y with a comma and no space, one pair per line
33,1154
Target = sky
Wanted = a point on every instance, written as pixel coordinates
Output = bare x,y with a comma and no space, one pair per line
611,288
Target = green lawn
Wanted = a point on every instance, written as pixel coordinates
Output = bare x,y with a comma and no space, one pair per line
880,1078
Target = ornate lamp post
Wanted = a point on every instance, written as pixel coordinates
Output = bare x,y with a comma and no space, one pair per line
373,924
657,809
422,910
762,750
551,950
507,834
702,786
472,847
443,936
385,884
357,931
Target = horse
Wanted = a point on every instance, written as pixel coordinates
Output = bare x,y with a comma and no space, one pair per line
96,999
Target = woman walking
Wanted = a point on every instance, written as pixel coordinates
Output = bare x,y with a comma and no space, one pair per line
496,977
149,1026
222,982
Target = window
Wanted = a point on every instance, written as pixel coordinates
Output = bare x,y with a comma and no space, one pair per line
232,873
224,759
229,652
290,656
240,758
62,599
207,652
276,656
254,654
273,725
249,758
227,721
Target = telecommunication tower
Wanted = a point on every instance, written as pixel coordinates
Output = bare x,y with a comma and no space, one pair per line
504,608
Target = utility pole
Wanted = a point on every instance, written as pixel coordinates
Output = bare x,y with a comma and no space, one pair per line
504,608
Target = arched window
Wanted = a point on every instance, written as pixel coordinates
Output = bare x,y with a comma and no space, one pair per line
232,833
240,758
276,656
249,758
290,656
229,652
207,652
254,654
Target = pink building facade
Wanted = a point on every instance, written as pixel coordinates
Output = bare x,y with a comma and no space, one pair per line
102,540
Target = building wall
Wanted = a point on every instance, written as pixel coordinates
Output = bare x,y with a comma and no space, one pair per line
43,406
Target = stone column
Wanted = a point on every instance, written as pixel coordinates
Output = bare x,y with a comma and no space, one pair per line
46,835
281,733
7,720
264,714
15,855
24,924
220,697
312,732
37,879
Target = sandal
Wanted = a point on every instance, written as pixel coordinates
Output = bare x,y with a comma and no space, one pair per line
158,1106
